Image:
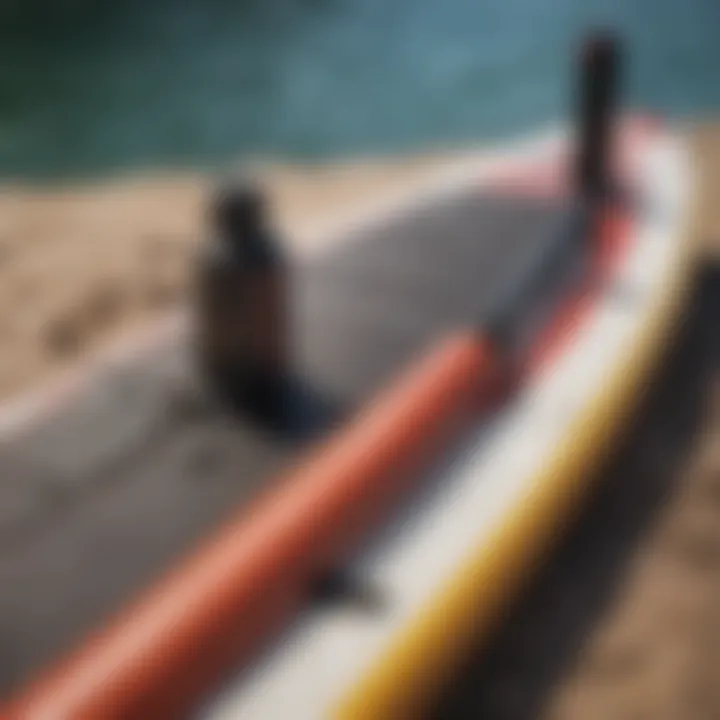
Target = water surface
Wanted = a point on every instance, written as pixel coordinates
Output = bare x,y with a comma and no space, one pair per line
99,87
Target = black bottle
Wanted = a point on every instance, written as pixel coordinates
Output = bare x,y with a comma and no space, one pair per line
596,105
242,318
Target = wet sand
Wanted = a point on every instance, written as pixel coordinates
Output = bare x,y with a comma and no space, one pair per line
626,622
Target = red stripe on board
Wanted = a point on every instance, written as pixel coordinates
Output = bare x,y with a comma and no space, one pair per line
220,608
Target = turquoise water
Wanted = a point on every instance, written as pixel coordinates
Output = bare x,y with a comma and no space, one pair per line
102,87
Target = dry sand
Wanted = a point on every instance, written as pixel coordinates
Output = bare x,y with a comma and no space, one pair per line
627,622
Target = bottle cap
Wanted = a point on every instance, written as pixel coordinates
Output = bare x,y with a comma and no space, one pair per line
600,46
238,210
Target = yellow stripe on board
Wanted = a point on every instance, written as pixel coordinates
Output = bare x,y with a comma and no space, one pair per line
424,655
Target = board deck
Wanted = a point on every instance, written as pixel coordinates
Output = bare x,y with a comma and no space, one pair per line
101,498
152,486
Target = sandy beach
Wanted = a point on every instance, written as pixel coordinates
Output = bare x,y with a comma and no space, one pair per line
79,265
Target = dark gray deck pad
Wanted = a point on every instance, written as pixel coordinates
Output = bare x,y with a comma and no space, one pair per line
99,500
